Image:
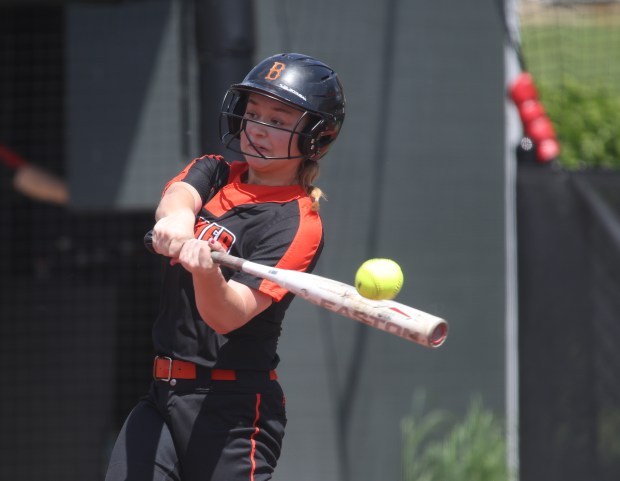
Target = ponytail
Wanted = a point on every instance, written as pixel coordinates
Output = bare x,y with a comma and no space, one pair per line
309,171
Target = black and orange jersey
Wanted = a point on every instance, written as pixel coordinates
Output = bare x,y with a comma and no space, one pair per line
274,226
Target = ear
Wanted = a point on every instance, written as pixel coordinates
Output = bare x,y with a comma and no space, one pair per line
308,142
235,111
322,134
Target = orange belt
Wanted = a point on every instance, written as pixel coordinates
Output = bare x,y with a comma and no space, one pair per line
166,369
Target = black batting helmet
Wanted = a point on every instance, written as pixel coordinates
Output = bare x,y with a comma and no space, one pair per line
300,81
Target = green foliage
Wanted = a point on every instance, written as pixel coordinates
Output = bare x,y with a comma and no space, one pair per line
576,46
436,449
587,123
573,57
608,439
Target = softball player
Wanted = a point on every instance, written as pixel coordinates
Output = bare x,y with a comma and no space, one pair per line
215,410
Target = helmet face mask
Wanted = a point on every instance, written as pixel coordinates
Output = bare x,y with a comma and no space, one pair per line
254,151
300,82
234,124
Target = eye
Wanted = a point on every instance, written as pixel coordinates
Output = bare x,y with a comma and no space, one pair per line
249,114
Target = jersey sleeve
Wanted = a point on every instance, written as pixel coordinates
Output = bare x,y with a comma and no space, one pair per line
293,243
203,174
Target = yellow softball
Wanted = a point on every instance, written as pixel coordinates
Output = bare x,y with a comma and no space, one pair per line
379,279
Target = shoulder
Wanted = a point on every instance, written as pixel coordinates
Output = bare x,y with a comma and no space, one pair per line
206,164
203,173
296,213
209,164
300,232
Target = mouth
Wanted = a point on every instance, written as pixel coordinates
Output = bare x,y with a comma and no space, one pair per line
261,149
258,148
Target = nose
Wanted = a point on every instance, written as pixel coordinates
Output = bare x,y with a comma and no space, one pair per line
255,129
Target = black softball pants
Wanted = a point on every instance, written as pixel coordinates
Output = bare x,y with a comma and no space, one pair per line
225,431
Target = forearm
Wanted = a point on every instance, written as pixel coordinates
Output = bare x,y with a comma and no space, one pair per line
180,198
220,305
223,305
175,215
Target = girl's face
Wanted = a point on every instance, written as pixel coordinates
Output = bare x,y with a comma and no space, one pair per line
273,137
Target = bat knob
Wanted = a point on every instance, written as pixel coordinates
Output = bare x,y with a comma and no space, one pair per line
148,242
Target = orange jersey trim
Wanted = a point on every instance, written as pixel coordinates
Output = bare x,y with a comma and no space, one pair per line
302,249
235,194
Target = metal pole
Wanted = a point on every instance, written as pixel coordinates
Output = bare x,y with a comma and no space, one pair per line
225,42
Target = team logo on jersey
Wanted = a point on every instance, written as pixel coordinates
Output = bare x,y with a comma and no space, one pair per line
275,71
205,230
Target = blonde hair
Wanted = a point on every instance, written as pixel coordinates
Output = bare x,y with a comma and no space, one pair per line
309,171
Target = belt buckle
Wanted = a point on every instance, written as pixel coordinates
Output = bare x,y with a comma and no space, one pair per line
169,359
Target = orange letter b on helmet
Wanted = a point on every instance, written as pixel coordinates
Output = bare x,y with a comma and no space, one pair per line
276,70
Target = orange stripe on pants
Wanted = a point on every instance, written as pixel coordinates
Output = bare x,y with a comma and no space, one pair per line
252,440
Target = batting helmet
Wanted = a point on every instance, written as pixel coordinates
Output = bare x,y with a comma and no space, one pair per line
300,81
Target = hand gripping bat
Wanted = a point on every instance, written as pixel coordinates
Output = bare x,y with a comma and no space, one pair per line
387,315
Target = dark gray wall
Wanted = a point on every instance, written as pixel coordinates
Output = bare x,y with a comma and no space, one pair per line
131,101
417,175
